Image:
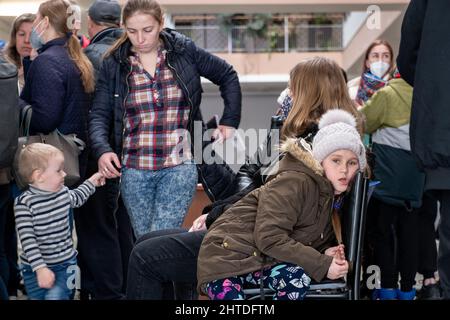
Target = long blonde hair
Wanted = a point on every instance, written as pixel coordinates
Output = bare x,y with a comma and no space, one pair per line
57,13
317,85
132,7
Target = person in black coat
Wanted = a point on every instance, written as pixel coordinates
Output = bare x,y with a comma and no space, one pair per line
146,107
100,221
423,62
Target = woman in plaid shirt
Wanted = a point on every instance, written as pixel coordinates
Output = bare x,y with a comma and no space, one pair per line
148,94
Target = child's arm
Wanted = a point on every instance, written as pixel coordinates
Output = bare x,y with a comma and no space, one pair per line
27,237
81,194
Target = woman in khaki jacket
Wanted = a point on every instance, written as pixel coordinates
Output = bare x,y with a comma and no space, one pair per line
282,232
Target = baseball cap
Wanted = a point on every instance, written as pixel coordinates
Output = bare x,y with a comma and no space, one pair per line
105,11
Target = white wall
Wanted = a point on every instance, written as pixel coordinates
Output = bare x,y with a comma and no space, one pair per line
351,25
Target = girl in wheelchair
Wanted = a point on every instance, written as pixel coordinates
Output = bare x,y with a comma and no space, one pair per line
285,232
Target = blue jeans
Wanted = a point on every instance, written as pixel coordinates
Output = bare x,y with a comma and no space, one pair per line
63,287
159,199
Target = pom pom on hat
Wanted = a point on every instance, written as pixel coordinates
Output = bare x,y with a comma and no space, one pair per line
337,131
337,115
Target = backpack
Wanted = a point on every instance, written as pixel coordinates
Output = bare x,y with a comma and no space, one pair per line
9,112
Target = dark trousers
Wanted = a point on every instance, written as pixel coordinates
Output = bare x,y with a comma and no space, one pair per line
5,207
9,269
444,243
162,260
427,237
3,292
105,241
396,245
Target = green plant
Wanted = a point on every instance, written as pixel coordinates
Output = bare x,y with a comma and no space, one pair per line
258,25
320,19
225,21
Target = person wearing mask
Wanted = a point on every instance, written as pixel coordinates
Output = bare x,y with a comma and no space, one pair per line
60,79
378,68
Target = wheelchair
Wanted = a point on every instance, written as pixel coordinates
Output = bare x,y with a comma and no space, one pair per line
353,226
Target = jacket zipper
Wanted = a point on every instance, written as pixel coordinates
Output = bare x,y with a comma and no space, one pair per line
123,130
123,106
208,190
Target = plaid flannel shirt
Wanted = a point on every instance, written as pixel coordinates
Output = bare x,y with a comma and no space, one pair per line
156,117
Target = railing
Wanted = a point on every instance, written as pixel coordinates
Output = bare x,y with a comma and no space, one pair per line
300,38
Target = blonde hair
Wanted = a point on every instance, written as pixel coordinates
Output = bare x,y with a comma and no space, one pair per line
35,156
132,7
317,85
11,50
57,13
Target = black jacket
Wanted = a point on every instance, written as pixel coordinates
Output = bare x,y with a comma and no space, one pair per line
100,43
188,63
55,92
253,174
423,61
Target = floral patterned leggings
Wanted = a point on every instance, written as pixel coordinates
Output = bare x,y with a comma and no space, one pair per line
288,280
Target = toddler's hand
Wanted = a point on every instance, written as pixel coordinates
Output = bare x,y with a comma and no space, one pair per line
45,277
97,179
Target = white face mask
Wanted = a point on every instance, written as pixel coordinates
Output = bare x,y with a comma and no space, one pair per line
379,68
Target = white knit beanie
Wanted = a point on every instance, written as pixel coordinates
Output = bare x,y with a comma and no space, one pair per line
337,130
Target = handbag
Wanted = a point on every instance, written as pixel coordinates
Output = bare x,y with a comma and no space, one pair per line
69,144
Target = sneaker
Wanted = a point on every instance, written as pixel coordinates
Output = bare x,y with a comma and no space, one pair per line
430,292
406,295
384,294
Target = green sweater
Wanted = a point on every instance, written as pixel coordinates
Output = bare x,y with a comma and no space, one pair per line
387,114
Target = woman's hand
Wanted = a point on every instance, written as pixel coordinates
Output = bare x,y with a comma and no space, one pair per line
107,165
199,223
222,133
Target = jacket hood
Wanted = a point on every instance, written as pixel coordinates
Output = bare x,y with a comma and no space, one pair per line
173,41
113,33
301,151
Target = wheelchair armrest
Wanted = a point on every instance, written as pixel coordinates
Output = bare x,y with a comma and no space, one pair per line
327,284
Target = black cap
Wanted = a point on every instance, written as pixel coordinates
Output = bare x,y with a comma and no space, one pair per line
105,11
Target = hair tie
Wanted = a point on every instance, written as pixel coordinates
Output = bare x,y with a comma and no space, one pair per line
69,34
